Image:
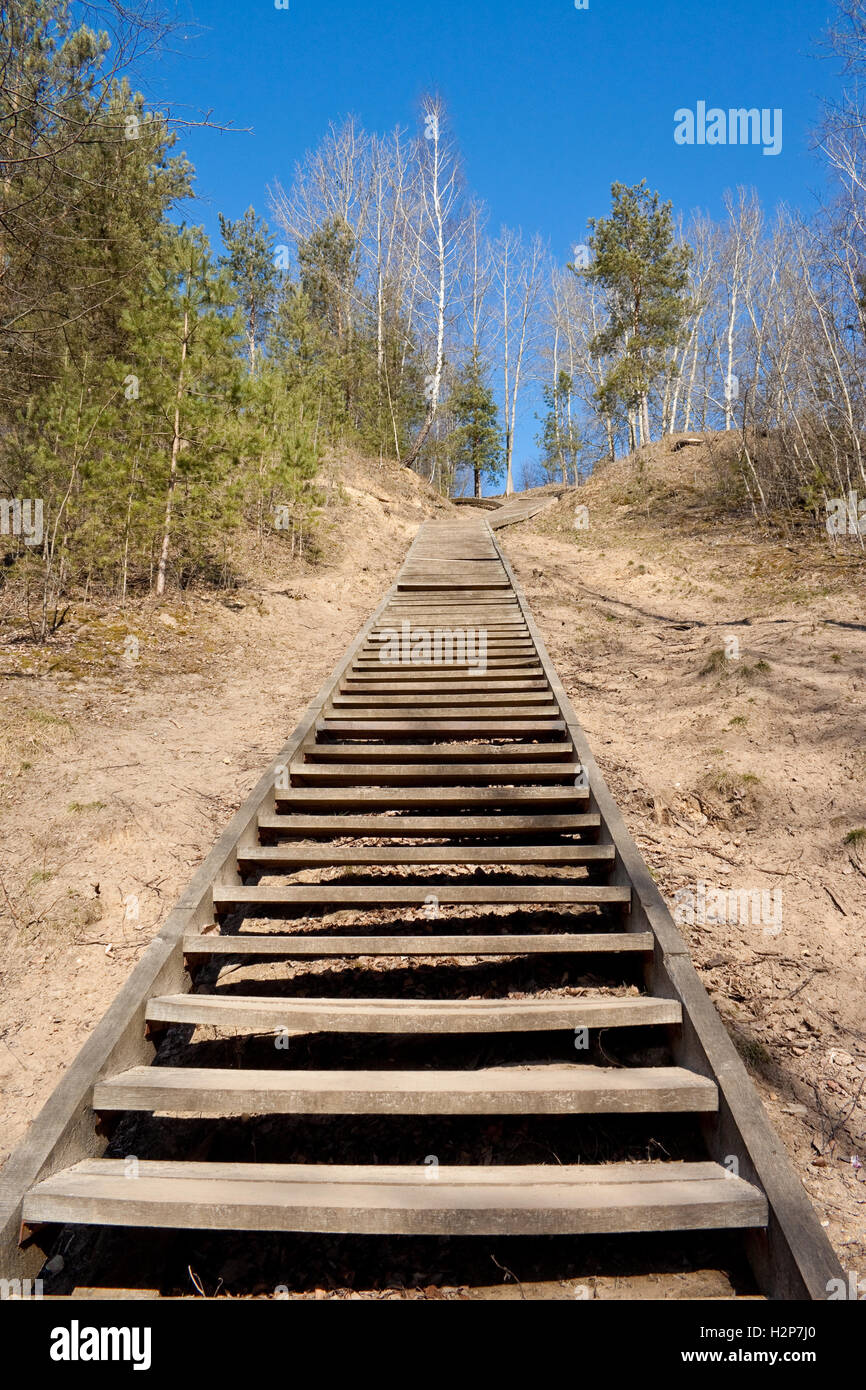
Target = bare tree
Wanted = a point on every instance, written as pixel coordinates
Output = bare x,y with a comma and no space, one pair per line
519,271
438,242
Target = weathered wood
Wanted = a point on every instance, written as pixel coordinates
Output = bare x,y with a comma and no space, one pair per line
383,893
505,944
411,798
526,1090
418,712
388,1200
452,699
309,856
408,826
412,1015
449,677
470,686
467,728
356,774
435,752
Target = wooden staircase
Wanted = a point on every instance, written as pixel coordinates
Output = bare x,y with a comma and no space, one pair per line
456,803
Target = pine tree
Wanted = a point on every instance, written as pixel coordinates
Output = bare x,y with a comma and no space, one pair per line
560,439
476,443
190,395
644,272
250,263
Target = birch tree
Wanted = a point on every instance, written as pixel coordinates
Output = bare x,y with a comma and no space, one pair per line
438,246
519,271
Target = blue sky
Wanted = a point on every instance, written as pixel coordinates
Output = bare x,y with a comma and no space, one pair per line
549,104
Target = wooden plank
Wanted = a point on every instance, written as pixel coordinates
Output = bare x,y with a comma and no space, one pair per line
385,894
424,712
436,752
519,1090
497,668
439,727
410,798
354,774
310,856
409,686
349,701
412,1016
505,944
386,1199
405,827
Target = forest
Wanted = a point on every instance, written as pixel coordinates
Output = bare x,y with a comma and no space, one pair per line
160,394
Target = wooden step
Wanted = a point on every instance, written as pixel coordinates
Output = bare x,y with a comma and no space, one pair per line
527,665
406,827
303,1015
382,648
423,624
487,615
518,1090
407,686
387,1199
315,856
416,713
452,585
505,944
437,753
412,798
449,700
226,897
469,728
449,677
356,774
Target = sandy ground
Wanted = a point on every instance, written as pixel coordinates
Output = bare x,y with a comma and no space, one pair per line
720,675
738,764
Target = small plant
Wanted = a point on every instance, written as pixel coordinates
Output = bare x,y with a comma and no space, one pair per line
739,721
856,837
753,1053
760,668
76,806
715,663
835,657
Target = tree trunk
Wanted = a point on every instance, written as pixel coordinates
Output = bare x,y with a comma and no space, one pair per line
172,474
